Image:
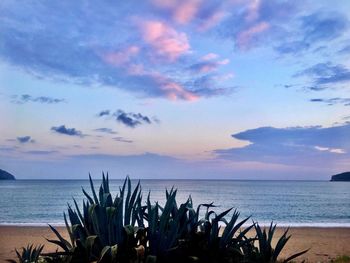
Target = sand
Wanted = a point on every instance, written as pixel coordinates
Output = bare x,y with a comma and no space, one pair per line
324,243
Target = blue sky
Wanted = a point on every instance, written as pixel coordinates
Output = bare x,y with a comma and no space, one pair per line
175,89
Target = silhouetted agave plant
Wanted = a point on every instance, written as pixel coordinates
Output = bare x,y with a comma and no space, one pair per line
265,252
106,228
29,254
122,229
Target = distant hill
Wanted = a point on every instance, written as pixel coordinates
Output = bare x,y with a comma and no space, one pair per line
6,176
345,177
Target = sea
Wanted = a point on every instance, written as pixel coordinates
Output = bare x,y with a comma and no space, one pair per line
286,203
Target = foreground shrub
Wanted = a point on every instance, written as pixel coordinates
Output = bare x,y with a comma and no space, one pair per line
28,254
124,229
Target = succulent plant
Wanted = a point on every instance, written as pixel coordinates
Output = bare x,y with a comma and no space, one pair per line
29,254
265,252
105,228
123,229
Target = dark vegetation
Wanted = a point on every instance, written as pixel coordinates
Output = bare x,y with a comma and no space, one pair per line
127,229
6,175
28,254
345,177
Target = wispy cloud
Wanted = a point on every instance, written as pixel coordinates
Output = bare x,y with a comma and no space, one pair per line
67,131
106,130
7,149
25,139
344,50
165,40
21,99
131,119
292,47
326,73
41,152
207,85
333,101
208,63
245,38
182,12
103,113
252,23
324,26
133,62
314,29
203,14
122,56
121,139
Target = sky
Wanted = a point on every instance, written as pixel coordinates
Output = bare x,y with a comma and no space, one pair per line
186,89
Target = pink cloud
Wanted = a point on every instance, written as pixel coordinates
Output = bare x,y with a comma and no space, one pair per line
208,63
224,77
165,40
212,20
182,11
224,61
209,56
253,11
173,90
121,57
135,69
205,14
186,11
163,85
208,67
245,37
165,3
166,87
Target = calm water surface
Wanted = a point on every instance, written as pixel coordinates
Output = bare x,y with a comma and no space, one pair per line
304,203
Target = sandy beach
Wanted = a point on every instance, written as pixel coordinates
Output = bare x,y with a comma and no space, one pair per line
324,243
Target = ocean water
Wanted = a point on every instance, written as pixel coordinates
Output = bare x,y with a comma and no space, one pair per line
287,203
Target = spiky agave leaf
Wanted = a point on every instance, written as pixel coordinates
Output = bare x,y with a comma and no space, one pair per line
98,215
93,190
280,245
108,254
290,258
91,201
282,241
267,253
105,183
130,202
73,216
28,254
63,243
231,228
215,229
126,205
68,228
138,211
265,248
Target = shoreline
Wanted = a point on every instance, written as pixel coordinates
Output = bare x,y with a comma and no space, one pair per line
279,225
325,243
